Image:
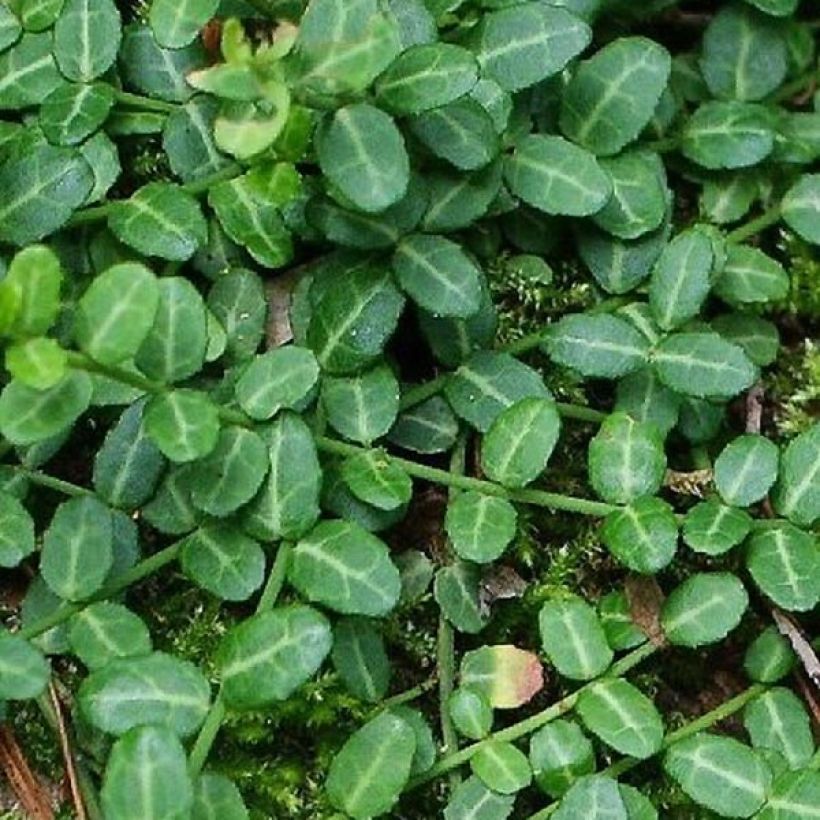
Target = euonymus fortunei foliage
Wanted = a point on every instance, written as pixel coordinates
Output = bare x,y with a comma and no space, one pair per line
265,347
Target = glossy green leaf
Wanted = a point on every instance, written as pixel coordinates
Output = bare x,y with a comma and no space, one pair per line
438,275
72,112
641,395
184,424
187,138
428,427
488,383
793,796
720,773
797,492
622,716
160,219
215,796
270,655
557,177
237,300
32,284
785,563
524,44
77,548
28,73
147,776
426,76
457,590
727,198
369,772
377,480
508,677
769,657
746,469
171,510
713,528
104,631
703,365
16,531
758,337
156,688
616,618
594,796
176,23
501,767
800,207
360,659
86,38
777,720
10,28
24,672
472,800
559,754
573,638
344,567
39,363
470,712
750,276
480,527
643,535
703,609
457,199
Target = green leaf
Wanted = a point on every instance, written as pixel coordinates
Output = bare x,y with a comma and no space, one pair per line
728,135
560,753
278,379
426,76
77,548
470,712
520,441
641,395
16,531
728,197
216,796
104,631
703,609
128,465
72,112
743,54
488,383
24,672
32,283
626,459
160,219
785,563
522,45
369,772
794,796
472,800
758,337
231,473
155,688
147,776
638,806
597,345
616,619
613,95
220,559
171,510
287,505
681,278
703,365
39,363
594,796
573,638
361,151
268,656
116,312
750,276
86,38
720,773
776,720
362,408
622,716
557,177
800,207
376,479
508,677
428,427
777,8
425,754
769,657
642,535
797,492
480,526
501,767
639,193
251,217
176,23
453,341
343,45
187,139
360,659
341,565
184,424
28,415
456,200
353,320
746,469
10,28
438,275
28,73
457,590
462,133
713,528
40,192
238,302
100,153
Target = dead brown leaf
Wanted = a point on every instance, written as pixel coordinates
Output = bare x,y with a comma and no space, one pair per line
645,599
800,644
279,291
499,583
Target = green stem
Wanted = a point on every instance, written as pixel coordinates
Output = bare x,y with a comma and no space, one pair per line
408,695
141,570
45,480
755,226
795,86
538,498
213,721
705,721
536,721
144,103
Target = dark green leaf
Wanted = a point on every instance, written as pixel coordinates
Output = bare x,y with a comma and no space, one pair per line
86,38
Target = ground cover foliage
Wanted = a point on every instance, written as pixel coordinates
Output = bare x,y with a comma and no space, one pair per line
424,346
